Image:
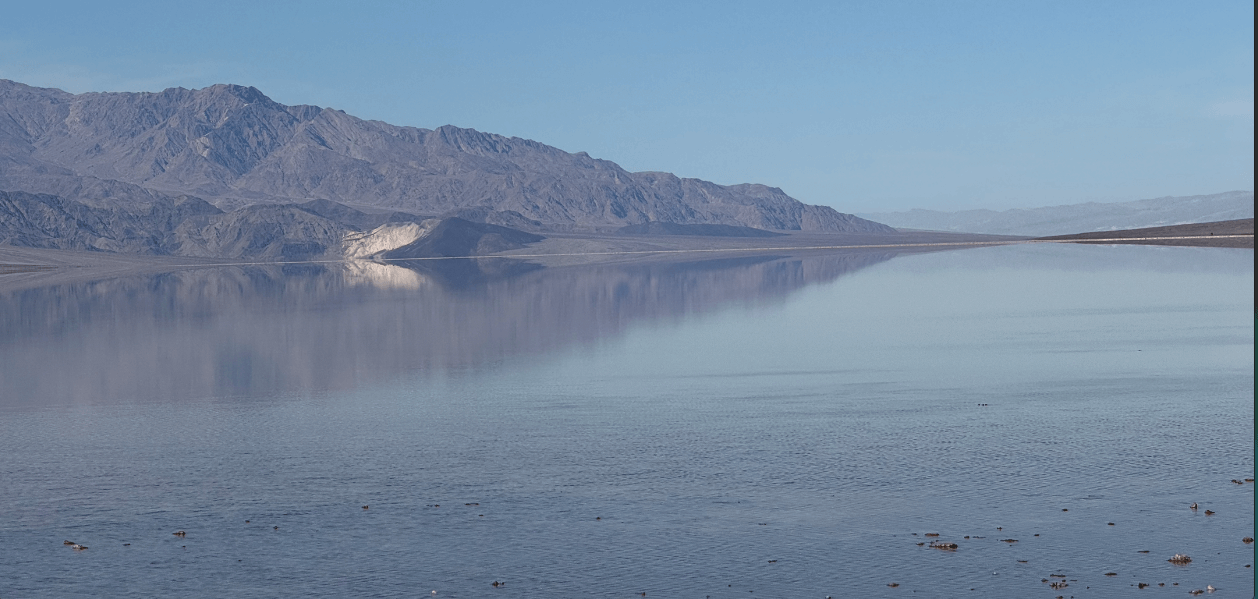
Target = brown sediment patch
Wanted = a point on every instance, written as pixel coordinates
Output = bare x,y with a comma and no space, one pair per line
16,268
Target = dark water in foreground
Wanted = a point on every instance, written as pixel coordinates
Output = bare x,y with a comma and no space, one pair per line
778,427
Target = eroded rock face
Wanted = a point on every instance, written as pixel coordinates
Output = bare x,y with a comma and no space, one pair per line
386,237
234,146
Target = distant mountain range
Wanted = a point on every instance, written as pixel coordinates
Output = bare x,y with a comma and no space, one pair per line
1079,218
232,146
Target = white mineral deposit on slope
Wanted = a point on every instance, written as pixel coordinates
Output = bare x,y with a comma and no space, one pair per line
383,276
385,237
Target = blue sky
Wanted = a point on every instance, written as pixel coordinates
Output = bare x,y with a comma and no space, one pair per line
864,106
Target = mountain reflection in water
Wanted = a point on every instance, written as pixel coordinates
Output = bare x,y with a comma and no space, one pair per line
236,331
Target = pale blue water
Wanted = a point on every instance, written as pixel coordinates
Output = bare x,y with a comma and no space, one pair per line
782,427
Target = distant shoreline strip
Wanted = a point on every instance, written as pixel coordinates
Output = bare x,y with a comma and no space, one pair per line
712,250
755,249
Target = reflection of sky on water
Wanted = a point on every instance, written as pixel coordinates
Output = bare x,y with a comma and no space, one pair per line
982,318
249,330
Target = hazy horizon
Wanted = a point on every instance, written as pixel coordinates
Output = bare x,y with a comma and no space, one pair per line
1057,205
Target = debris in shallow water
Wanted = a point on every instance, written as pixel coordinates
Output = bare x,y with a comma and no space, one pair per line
946,546
893,584
1111,573
932,534
1179,558
1008,540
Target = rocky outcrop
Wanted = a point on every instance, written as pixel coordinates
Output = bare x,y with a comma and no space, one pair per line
47,221
234,146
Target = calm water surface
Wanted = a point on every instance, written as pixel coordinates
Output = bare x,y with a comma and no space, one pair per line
764,427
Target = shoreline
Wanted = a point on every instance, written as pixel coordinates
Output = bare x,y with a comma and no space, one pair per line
22,267
1227,233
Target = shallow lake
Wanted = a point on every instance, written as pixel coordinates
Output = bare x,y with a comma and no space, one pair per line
758,427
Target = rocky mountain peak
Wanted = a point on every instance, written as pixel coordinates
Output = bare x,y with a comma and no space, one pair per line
234,146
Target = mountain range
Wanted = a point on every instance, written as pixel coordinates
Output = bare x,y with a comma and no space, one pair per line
1080,218
231,146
